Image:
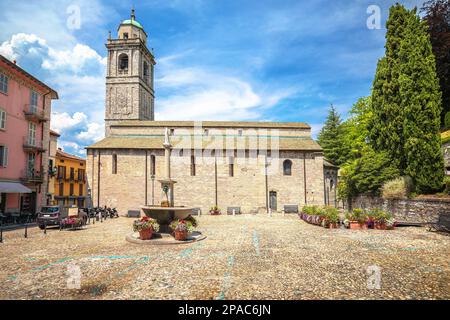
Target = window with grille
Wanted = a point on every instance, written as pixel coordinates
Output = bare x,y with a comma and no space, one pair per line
114,164
34,101
3,156
3,83
2,119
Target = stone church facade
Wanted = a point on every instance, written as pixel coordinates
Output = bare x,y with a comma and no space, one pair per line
253,166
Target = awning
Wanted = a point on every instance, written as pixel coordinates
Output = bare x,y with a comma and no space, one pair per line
13,187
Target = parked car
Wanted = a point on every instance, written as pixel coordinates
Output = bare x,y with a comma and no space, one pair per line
52,215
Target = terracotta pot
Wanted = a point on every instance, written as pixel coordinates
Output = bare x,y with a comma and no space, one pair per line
146,234
355,225
180,235
214,212
380,226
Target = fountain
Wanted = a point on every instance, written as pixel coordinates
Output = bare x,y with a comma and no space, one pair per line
166,212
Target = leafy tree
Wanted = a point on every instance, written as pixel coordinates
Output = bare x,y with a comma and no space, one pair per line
406,102
331,138
447,120
365,170
437,17
367,174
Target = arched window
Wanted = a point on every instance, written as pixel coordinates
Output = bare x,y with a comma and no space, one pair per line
123,62
287,167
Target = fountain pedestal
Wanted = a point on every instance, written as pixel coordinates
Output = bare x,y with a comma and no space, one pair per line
166,212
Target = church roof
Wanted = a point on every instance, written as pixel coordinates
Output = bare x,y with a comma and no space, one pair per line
215,124
209,142
133,22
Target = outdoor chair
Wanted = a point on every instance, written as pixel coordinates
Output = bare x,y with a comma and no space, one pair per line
237,210
196,211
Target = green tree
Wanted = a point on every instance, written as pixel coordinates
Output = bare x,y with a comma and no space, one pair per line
406,102
331,138
386,126
437,17
422,104
365,170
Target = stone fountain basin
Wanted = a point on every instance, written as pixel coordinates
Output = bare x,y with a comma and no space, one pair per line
165,215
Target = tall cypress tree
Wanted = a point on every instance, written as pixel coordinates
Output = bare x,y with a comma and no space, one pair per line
406,101
421,101
331,138
386,126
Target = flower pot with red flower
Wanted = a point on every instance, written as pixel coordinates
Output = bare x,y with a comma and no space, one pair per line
181,229
146,227
215,211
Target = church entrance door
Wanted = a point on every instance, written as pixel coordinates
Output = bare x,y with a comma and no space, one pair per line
273,200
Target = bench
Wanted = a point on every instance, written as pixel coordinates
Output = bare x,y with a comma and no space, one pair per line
237,210
443,223
290,208
134,214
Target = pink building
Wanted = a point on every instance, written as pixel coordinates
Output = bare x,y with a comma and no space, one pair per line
25,108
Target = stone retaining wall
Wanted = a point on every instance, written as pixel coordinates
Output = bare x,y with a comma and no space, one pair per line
407,210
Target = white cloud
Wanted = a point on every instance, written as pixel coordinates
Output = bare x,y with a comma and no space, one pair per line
74,147
95,131
63,121
205,94
21,44
75,60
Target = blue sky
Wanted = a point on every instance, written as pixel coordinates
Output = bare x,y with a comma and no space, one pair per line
216,59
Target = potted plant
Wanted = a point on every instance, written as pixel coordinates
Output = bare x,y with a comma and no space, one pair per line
391,223
331,218
181,229
357,219
379,217
145,226
192,220
215,210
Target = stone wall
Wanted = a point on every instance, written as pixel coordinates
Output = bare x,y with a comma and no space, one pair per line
407,210
446,151
133,186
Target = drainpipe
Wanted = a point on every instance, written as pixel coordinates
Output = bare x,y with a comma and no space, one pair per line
304,176
98,179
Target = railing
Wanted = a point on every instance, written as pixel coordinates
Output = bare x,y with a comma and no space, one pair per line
33,175
33,144
32,112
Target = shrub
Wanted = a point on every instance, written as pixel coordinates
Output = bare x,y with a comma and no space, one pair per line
447,120
356,215
331,215
399,188
379,215
447,184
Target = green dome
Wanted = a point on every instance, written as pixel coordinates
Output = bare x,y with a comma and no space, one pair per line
132,22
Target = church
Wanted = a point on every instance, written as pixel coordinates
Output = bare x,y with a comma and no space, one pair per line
245,167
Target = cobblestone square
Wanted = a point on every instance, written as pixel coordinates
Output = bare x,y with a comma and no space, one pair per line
243,257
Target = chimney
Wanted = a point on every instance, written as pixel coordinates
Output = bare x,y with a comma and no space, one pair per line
15,62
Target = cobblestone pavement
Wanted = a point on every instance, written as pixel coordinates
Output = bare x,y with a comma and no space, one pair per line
244,257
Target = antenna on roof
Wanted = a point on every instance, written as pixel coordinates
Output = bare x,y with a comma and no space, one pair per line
133,16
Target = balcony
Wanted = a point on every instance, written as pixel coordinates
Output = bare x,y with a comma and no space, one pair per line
32,175
32,113
32,145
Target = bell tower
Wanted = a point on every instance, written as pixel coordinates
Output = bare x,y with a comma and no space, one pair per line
129,75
